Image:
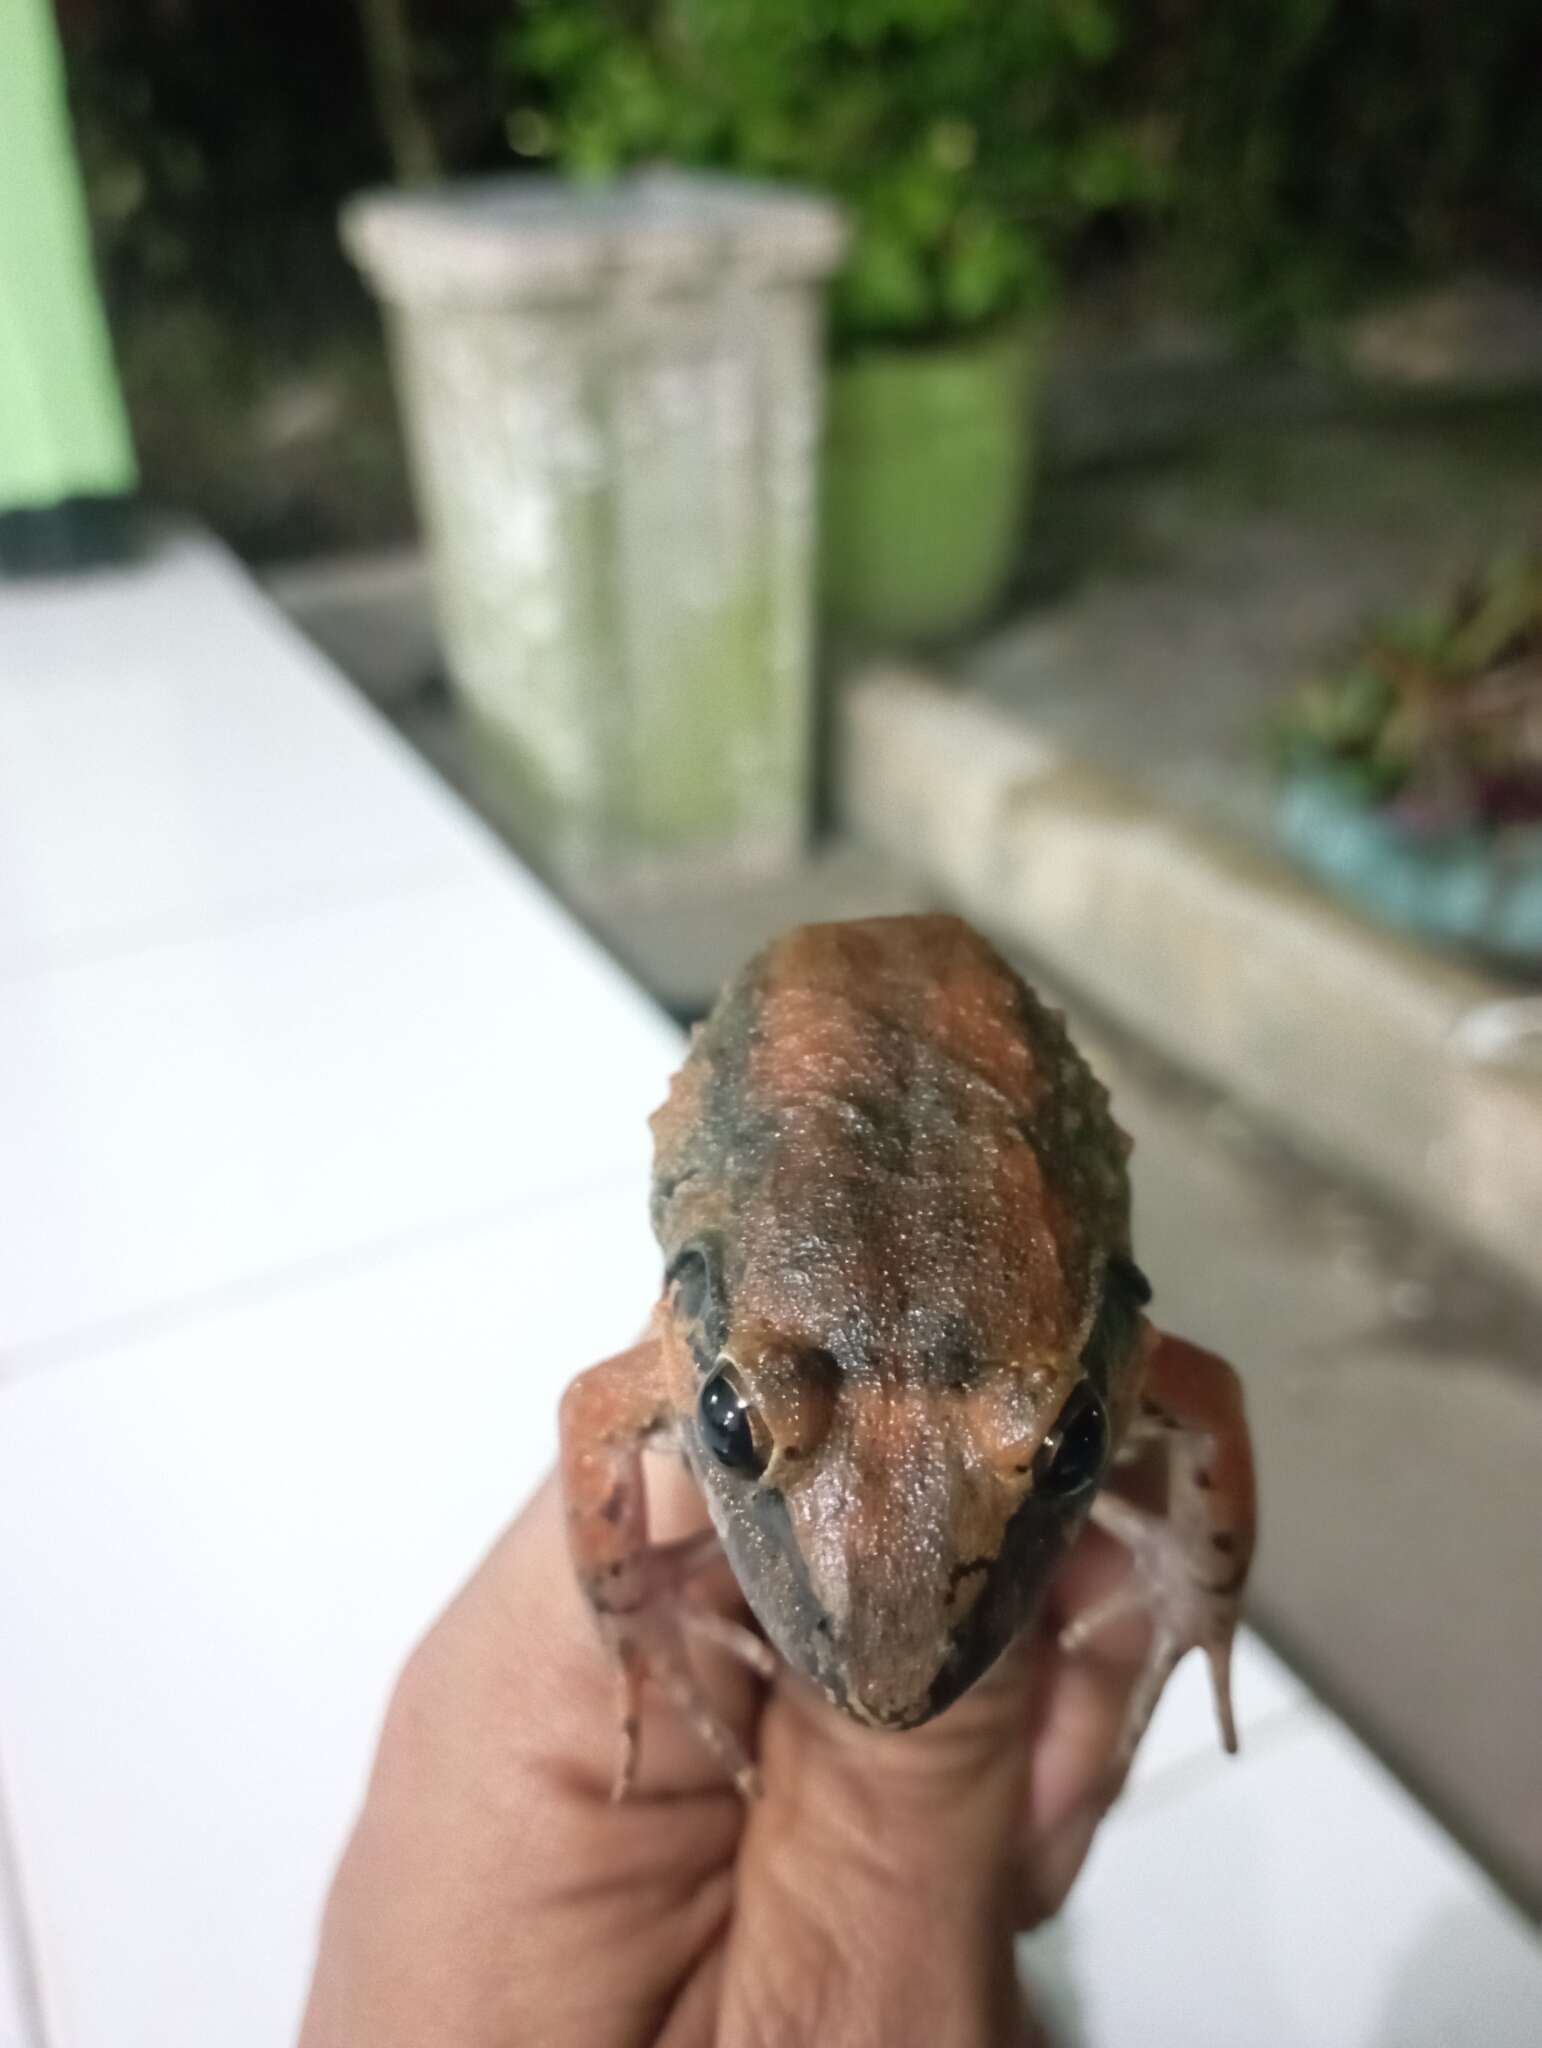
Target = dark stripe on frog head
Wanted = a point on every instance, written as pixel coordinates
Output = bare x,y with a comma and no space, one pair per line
882,1127
949,1349
731,1135
701,1143
790,1603
1125,1292
1031,1546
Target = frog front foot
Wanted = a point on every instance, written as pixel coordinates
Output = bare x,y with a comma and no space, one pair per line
638,1590
1185,1614
1189,1565
648,1624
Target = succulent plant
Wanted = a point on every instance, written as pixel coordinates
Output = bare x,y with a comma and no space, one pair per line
1435,715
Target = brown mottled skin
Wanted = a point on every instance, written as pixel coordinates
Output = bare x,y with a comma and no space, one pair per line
894,1211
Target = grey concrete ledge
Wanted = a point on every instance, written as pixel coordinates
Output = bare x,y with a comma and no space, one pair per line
1357,1046
373,614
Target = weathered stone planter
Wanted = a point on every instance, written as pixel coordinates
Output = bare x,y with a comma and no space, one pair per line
612,401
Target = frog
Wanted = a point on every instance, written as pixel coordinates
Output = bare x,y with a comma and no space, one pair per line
902,1345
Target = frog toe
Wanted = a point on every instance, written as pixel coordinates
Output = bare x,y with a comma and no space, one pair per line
1187,1612
648,1646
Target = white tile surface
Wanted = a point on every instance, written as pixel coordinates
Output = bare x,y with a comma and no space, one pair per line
17,2015
1184,1732
215,1549
13,2024
186,1119
174,756
1297,1899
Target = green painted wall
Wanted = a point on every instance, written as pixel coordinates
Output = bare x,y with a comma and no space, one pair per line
63,432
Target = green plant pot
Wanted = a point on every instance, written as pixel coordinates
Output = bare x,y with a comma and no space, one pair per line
927,459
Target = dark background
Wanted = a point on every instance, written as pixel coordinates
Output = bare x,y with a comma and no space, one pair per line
1302,157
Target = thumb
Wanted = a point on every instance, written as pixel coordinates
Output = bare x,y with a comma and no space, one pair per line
878,1877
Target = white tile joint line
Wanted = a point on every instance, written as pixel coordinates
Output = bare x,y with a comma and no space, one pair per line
16,1935
35,1355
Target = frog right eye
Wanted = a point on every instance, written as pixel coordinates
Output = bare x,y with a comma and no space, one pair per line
1071,1457
731,1428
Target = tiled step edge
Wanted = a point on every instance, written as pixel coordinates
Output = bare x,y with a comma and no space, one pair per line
1345,1039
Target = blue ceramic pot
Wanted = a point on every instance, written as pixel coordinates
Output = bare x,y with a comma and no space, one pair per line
1464,887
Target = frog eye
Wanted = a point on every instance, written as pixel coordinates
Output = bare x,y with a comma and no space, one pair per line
1071,1456
730,1428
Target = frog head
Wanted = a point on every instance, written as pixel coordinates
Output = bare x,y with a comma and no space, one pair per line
892,1521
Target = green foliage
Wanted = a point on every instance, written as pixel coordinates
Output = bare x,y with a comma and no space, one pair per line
1437,711
1328,148
967,137
216,143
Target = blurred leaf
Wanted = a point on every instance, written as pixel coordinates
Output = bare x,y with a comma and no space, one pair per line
986,270
1511,606
918,200
961,134
952,143
1108,171
1439,706
1091,28
530,132
1331,148
884,286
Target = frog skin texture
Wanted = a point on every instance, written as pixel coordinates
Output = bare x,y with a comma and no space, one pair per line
901,1344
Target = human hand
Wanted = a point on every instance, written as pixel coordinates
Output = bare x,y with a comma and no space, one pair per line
492,1894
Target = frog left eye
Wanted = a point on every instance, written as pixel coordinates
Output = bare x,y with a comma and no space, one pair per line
1071,1457
731,1428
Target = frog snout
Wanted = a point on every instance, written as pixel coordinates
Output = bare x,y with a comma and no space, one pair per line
919,1687
882,1703
892,1656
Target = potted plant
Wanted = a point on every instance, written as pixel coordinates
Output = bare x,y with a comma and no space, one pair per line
965,138
1411,772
